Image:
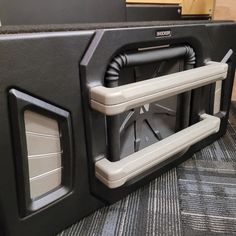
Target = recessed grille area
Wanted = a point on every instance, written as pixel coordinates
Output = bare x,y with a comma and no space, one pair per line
44,153
148,124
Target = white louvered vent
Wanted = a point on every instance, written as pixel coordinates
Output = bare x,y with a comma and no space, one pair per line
217,100
44,153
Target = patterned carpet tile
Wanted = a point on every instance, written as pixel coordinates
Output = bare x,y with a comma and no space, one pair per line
151,210
209,225
207,189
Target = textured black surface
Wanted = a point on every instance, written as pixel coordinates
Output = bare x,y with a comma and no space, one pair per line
44,68
14,29
196,198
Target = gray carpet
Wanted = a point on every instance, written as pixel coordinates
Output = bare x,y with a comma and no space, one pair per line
196,198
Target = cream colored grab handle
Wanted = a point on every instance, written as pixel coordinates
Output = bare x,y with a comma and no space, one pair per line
112,101
115,174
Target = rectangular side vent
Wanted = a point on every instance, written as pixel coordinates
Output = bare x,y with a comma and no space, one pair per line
44,153
42,141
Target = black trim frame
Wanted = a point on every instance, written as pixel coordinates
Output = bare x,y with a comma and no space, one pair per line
20,102
203,38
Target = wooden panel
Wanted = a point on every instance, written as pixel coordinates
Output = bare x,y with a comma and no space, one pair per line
225,10
234,90
189,7
154,1
197,7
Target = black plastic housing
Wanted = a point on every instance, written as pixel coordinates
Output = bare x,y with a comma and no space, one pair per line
59,68
108,43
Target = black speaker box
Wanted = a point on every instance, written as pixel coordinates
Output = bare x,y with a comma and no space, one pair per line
60,126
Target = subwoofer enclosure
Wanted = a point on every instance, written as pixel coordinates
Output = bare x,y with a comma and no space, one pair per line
56,72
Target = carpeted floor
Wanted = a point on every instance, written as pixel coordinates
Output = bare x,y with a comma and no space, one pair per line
196,198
